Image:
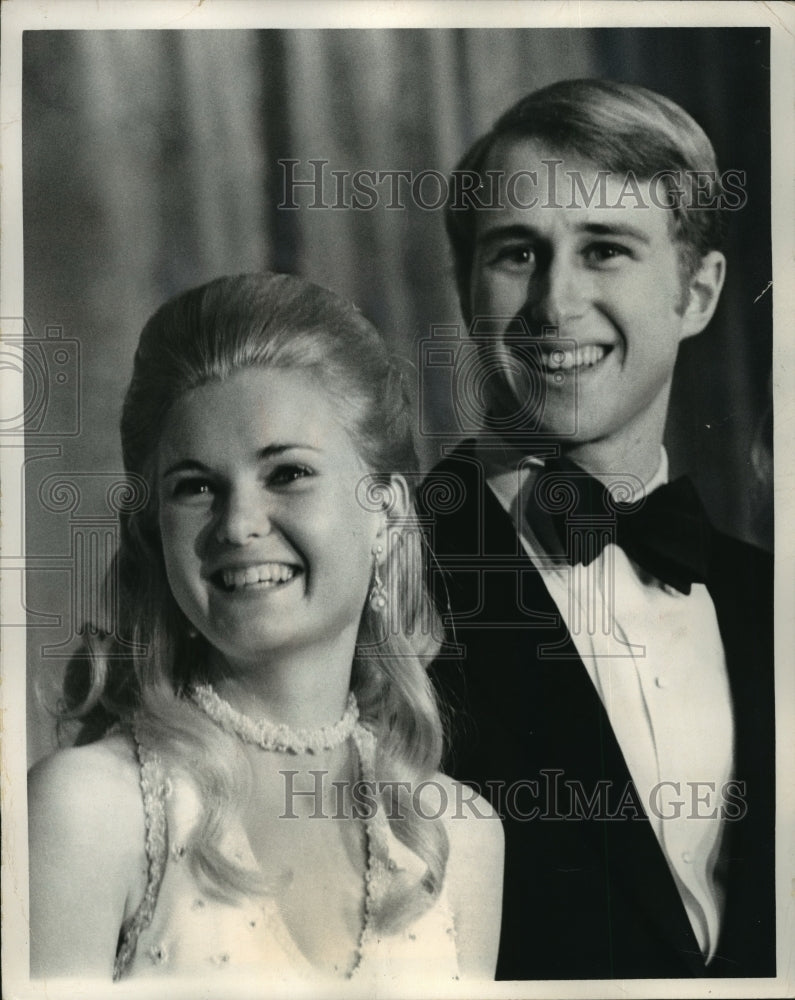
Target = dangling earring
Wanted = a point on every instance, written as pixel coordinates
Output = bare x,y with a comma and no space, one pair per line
378,590
192,632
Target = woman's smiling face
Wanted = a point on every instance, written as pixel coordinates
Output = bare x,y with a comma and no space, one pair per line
265,544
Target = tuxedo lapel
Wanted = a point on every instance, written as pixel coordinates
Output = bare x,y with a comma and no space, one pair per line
598,897
521,699
587,751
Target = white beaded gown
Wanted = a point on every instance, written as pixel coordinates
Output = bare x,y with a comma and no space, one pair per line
179,929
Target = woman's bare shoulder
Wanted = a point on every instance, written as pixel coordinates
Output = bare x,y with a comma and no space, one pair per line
89,787
87,856
474,874
463,806
473,826
110,759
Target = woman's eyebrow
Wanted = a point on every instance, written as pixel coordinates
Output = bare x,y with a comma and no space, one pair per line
269,451
185,465
272,450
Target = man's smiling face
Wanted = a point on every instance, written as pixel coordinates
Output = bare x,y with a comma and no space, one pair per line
600,287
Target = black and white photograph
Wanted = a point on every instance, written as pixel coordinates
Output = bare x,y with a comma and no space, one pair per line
397,489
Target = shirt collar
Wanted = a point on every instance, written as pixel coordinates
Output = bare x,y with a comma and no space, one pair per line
507,473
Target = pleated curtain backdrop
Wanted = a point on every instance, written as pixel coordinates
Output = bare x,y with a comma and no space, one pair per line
151,164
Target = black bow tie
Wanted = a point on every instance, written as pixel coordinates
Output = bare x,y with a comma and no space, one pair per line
667,532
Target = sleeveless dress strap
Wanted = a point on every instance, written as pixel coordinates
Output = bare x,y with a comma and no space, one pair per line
155,788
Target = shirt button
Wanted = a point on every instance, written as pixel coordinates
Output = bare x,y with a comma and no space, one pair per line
660,682
687,857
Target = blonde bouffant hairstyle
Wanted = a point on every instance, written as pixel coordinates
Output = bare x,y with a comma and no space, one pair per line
272,321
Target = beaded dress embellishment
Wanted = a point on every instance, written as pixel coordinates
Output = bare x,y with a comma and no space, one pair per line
282,739
380,866
155,789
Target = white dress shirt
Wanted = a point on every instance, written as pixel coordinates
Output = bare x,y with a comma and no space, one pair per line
656,659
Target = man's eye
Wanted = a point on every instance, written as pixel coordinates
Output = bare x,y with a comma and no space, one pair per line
601,253
283,475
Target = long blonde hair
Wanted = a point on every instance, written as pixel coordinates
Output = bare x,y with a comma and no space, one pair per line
270,321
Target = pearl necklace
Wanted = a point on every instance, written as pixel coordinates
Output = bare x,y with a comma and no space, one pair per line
271,735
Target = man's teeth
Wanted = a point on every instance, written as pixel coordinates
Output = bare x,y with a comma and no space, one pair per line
563,360
268,573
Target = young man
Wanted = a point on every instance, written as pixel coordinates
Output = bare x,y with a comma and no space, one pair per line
614,695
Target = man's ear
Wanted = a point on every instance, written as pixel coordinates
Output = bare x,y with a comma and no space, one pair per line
703,293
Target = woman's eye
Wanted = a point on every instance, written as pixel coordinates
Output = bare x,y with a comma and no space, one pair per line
194,487
283,475
514,256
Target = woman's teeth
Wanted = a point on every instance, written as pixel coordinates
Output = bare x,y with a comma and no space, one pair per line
266,573
559,359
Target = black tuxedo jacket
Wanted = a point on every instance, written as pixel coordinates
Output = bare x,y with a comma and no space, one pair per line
588,893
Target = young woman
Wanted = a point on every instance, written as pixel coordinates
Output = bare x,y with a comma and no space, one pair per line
262,794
